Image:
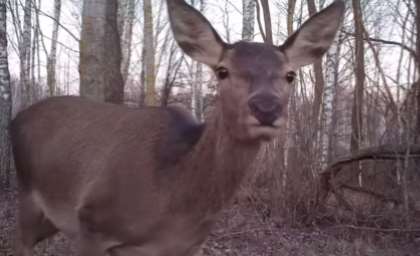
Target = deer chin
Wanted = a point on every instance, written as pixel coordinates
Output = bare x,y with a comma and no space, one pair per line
257,131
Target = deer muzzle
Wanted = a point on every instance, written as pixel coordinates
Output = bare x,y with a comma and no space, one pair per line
266,108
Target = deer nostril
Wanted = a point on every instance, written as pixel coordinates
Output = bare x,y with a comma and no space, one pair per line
265,109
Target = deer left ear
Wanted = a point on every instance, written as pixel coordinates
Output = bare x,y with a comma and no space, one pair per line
315,36
194,33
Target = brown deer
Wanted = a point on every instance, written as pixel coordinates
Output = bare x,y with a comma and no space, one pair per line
150,181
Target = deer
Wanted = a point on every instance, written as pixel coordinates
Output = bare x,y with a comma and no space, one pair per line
151,181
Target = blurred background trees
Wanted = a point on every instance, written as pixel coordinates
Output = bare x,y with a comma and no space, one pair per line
351,147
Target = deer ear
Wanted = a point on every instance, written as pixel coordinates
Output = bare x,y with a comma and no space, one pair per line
315,36
194,34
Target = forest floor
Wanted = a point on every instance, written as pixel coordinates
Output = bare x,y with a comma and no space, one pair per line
243,232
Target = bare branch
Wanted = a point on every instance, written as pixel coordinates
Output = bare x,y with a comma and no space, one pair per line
388,42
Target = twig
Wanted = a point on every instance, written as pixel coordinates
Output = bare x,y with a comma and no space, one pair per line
77,39
241,233
378,229
405,47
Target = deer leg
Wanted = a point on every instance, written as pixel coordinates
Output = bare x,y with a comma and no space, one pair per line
33,226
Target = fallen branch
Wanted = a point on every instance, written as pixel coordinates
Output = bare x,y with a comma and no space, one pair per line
384,152
371,193
379,229
239,233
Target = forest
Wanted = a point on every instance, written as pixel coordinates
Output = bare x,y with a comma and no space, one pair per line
342,178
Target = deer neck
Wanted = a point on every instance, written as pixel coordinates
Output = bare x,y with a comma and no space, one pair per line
216,166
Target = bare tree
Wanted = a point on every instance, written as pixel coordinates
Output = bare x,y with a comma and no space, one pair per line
100,52
319,87
417,4
127,37
248,19
291,6
5,97
197,84
329,98
171,73
359,71
149,54
267,22
52,58
25,53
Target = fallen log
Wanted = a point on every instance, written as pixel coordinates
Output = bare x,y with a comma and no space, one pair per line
383,152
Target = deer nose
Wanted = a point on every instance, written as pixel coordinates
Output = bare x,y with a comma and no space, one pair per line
266,108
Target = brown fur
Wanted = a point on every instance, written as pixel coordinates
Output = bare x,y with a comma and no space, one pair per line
151,181
109,170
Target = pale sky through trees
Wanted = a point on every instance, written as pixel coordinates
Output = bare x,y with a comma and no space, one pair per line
216,11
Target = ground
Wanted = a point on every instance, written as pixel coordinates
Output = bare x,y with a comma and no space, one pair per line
242,231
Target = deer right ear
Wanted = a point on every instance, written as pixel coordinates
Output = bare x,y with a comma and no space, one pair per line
194,34
315,36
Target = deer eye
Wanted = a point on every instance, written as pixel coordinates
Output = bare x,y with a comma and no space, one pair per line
291,76
222,73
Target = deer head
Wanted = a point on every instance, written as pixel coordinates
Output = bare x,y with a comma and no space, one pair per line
254,79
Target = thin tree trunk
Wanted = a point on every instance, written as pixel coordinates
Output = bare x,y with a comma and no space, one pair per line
287,141
267,22
149,58
290,14
319,83
38,46
35,41
248,19
171,74
122,16
417,3
357,125
25,53
5,98
197,92
142,96
127,38
357,110
197,97
52,58
331,83
318,99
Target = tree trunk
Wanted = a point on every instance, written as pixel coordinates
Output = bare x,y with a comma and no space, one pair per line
149,51
52,58
197,95
171,74
127,38
35,41
248,19
319,85
417,3
329,112
5,98
100,52
25,54
267,22
122,16
291,6
357,111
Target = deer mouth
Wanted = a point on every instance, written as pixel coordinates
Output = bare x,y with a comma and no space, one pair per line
264,131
